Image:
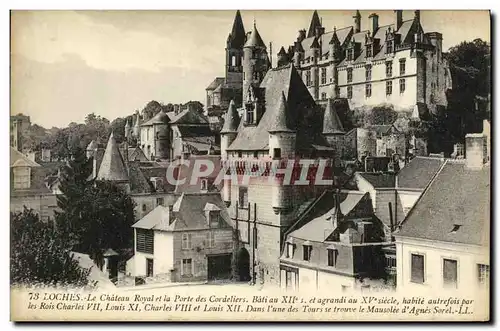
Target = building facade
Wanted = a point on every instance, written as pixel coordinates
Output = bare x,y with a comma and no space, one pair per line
397,64
18,124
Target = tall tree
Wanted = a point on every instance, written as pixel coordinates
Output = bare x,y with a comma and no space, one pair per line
40,255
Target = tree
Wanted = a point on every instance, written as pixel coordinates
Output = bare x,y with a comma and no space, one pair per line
40,255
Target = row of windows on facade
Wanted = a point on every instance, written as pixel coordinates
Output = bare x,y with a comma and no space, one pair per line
449,271
145,241
368,72
370,51
368,89
332,253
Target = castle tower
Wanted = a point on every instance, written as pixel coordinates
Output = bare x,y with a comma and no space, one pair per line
334,57
333,130
281,146
137,127
127,130
282,57
316,50
230,128
234,51
113,167
255,62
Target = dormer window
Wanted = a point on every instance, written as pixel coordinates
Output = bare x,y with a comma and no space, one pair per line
307,250
22,177
350,54
214,218
369,51
249,114
389,49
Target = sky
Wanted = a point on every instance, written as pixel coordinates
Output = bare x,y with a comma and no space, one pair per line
67,64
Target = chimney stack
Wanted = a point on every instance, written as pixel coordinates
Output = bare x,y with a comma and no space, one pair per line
475,150
357,22
373,23
399,18
417,15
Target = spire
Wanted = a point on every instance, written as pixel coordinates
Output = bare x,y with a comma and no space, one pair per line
315,44
335,38
236,38
255,40
331,120
231,120
112,165
315,23
279,122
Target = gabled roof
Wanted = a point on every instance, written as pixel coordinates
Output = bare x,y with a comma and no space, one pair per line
237,36
331,120
216,83
302,114
18,159
112,165
321,227
380,179
157,219
315,23
231,119
255,40
418,172
187,116
455,207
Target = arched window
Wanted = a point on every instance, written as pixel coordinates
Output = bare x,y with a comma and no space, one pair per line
233,61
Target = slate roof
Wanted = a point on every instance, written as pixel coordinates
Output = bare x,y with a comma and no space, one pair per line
315,23
279,122
188,213
195,131
302,114
456,196
379,180
418,172
187,116
187,173
237,36
112,166
320,228
231,119
254,39
331,120
216,82
140,176
160,118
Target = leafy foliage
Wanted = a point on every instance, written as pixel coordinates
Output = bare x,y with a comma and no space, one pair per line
379,115
41,255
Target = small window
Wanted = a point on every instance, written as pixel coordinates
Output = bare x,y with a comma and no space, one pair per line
255,154
402,86
417,268
243,196
323,75
240,154
159,201
450,272
250,117
211,239
233,61
349,92
368,90
323,96
307,249
388,87
388,69
290,250
349,75
204,185
308,78
255,238
332,257
144,207
402,67
187,267
389,48
214,219
186,240
368,72
390,262
483,274
277,153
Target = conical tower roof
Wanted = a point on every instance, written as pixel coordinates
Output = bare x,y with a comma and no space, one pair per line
331,121
315,23
279,121
112,166
231,119
255,40
282,51
237,37
335,38
315,44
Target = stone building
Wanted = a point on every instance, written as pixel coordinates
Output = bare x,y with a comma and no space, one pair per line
18,124
397,64
191,240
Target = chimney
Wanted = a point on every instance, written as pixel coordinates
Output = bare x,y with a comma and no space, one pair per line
475,150
373,23
399,19
357,22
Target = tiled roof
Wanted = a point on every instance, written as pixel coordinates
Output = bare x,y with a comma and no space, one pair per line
112,166
457,199
418,172
379,180
302,111
231,119
216,82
